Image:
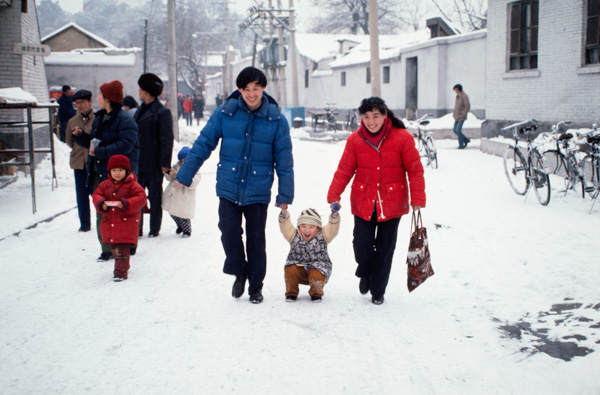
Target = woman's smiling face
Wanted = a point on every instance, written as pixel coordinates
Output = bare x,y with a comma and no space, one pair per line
373,120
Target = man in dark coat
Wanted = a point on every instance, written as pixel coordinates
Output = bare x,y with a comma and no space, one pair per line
155,131
65,110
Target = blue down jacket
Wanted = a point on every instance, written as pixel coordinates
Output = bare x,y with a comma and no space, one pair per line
254,145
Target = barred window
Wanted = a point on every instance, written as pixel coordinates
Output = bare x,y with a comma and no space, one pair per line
524,35
592,36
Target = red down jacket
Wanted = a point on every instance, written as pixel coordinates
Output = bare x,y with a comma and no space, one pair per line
120,225
380,174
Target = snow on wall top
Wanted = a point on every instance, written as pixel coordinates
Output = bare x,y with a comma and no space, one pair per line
16,95
317,47
90,58
76,26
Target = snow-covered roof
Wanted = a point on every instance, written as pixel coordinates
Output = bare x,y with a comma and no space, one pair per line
82,30
317,47
390,46
16,95
90,58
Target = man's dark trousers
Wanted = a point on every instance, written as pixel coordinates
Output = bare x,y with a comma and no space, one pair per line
230,224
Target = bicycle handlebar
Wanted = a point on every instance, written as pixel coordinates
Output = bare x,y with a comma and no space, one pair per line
528,122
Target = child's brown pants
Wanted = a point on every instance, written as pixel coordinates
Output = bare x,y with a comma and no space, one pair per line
121,254
295,275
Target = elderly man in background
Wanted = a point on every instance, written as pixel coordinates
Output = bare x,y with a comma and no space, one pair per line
81,123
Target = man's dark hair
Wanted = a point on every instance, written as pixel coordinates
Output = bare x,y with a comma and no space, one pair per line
130,102
66,88
377,103
251,74
458,86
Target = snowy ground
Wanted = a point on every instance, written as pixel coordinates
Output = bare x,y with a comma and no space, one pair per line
513,307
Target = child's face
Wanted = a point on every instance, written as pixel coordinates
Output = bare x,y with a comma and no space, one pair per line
118,174
308,231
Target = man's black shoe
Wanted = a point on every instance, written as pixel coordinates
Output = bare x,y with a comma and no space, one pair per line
364,285
84,229
153,233
256,297
377,300
238,286
105,256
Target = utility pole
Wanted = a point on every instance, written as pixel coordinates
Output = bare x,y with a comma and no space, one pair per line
292,56
172,49
374,29
281,64
145,44
227,71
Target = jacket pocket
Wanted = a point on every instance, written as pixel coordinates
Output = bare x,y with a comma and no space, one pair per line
395,192
358,196
226,177
261,180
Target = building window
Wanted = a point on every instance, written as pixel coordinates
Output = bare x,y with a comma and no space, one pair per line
368,75
306,78
592,36
343,78
524,35
386,74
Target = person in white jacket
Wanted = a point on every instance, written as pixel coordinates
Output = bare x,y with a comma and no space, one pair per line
180,202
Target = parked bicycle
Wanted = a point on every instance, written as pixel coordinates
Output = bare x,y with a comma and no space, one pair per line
351,123
325,119
530,170
425,143
590,164
563,160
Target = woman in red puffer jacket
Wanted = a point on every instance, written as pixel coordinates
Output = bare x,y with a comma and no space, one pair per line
120,200
379,155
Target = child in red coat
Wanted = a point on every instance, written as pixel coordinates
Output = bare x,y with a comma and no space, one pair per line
120,200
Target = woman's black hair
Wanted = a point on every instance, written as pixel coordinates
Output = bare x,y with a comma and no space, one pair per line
115,106
130,102
377,103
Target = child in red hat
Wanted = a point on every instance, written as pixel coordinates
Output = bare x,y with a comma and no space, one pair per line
120,200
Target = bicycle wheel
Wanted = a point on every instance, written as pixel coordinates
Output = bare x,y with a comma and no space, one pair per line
431,153
540,179
590,168
557,163
515,168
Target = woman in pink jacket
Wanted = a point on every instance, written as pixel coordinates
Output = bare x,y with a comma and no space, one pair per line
382,158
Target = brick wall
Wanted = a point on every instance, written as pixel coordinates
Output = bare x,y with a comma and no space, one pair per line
561,88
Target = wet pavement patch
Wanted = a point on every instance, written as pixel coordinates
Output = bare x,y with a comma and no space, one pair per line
567,330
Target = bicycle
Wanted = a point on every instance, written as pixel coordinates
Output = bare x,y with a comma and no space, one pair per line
563,161
326,118
524,173
590,164
425,142
351,123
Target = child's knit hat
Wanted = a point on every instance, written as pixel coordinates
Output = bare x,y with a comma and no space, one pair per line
118,162
183,153
310,216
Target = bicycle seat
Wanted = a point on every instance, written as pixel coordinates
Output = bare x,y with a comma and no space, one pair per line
565,136
424,123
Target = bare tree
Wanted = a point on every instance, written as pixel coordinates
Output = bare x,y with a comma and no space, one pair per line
352,16
470,14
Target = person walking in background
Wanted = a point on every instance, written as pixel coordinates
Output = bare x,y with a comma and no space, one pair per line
255,144
81,123
65,111
155,133
461,109
379,156
130,105
114,132
180,202
188,107
120,200
198,108
308,261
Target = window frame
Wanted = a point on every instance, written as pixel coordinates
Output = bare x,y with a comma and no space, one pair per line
343,78
523,35
368,75
592,28
386,74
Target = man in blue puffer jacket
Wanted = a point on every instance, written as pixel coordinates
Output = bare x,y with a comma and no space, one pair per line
255,144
